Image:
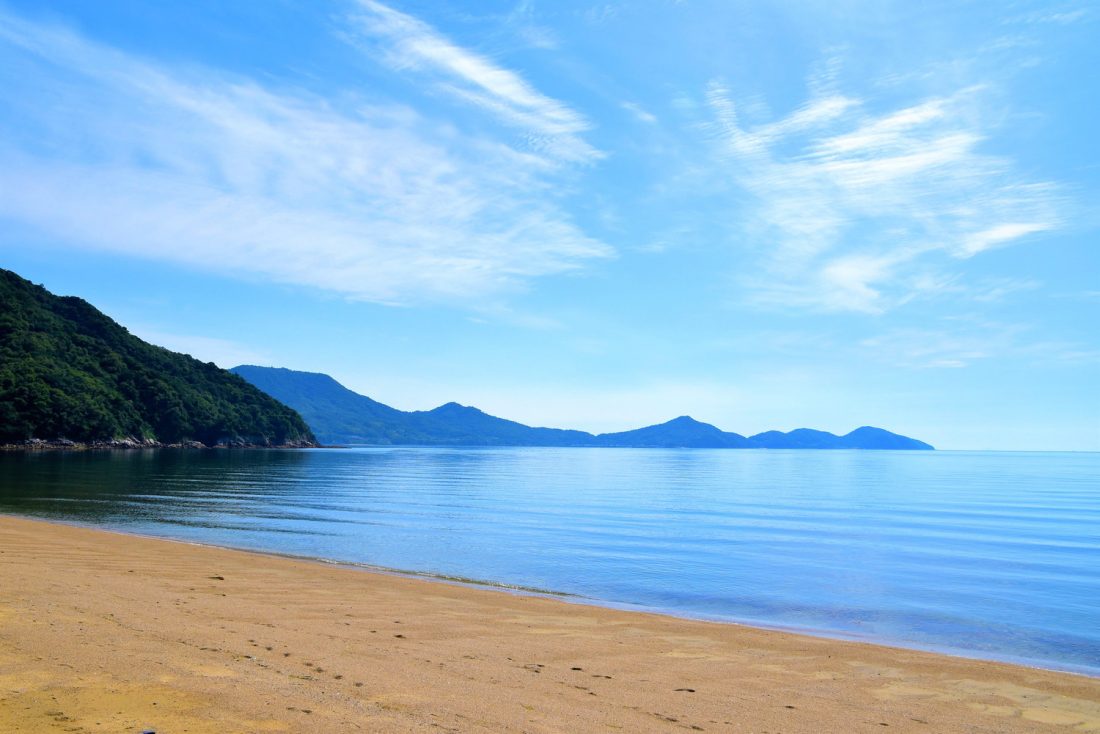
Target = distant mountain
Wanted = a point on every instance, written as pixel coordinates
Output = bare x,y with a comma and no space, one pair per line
459,425
338,415
866,437
869,437
682,432
69,372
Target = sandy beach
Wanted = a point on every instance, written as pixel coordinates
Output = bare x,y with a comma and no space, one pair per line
104,632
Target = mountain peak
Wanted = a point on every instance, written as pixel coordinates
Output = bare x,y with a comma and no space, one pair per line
879,438
342,416
453,407
685,420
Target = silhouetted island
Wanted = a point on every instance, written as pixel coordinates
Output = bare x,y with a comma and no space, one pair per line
338,415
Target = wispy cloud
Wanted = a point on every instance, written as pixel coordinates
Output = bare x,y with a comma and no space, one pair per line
946,347
960,342
521,21
639,112
600,13
376,202
856,210
1000,234
1064,15
410,44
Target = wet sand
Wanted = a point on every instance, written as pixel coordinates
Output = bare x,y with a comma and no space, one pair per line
104,632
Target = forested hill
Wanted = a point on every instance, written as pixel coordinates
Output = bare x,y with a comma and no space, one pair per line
68,371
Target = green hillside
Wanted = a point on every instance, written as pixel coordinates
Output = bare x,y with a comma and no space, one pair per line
68,371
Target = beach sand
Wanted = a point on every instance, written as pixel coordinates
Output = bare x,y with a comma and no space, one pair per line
104,632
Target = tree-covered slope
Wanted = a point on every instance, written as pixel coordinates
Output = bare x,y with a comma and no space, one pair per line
68,371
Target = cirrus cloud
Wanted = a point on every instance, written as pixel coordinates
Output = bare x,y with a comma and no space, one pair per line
855,209
109,151
409,44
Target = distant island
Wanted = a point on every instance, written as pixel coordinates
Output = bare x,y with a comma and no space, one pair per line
338,415
69,375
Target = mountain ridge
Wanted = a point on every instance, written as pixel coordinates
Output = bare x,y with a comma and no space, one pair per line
339,415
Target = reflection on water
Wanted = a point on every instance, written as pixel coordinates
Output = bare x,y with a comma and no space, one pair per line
988,554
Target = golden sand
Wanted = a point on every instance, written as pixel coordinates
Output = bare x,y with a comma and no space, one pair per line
103,632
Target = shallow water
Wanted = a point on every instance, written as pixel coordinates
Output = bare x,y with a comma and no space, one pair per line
981,554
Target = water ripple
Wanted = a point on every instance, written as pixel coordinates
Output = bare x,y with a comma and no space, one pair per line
986,554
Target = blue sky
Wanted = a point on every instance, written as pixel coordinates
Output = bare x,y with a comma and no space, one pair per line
588,215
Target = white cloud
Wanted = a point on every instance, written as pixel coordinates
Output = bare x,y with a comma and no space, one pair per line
848,281
639,113
407,43
1000,234
850,206
118,154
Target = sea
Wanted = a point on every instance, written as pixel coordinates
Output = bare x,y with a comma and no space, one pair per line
990,555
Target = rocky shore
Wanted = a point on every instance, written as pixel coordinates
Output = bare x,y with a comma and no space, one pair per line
129,442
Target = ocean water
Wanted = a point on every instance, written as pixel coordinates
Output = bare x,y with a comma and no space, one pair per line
993,555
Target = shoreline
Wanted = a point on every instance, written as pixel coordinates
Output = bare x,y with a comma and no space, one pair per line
582,600
77,447
109,631
35,445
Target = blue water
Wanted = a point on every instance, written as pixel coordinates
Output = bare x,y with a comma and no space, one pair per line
991,555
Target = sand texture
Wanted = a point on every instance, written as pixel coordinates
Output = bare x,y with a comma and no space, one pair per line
102,632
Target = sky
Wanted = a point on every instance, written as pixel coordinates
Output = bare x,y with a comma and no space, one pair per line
593,215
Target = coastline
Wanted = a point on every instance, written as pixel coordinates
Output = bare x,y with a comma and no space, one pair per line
580,599
131,444
104,631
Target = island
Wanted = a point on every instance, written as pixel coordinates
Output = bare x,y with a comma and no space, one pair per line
338,415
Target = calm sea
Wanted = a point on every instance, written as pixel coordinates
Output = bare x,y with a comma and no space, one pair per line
982,554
